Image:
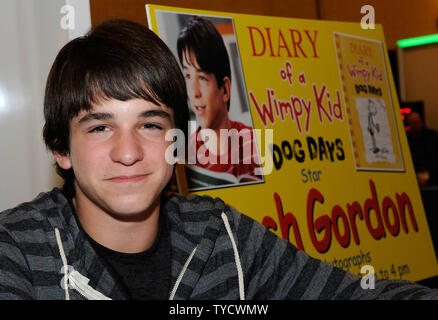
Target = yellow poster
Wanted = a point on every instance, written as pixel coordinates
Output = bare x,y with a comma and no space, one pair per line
322,159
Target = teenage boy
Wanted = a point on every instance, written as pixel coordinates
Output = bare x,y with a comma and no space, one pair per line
206,67
110,233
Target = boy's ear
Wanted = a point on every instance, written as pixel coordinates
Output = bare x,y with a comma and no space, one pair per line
63,160
227,89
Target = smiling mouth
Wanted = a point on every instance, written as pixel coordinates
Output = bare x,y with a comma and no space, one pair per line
200,109
125,179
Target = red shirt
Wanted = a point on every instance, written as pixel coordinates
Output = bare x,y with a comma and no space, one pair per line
242,157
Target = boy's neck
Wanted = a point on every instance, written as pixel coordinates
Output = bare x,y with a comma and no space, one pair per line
128,235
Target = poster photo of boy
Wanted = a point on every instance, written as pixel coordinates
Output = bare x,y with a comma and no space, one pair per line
222,148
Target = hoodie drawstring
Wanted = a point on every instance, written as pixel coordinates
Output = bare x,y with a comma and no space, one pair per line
74,279
236,257
181,274
64,262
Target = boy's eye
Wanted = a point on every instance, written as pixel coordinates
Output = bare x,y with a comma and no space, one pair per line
99,129
153,130
152,126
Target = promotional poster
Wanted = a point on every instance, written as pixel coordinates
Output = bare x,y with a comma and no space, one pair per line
326,161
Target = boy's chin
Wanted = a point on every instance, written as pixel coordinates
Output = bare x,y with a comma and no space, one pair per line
201,122
132,209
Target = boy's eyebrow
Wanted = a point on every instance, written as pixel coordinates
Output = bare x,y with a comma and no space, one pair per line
96,116
154,113
109,116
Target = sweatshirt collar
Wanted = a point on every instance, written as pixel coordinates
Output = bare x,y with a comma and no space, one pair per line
79,252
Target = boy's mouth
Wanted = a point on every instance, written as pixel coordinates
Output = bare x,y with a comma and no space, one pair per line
126,179
200,109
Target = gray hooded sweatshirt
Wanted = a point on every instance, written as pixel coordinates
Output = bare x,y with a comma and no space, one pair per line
217,253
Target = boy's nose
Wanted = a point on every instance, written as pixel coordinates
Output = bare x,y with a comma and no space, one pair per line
195,89
127,149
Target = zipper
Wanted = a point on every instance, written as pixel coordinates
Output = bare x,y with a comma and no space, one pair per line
79,283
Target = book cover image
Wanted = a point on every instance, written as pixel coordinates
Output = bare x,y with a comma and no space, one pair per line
368,102
222,151
375,129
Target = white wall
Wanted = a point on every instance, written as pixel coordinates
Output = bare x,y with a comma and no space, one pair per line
30,35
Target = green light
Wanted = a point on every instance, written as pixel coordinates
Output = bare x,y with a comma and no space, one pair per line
418,41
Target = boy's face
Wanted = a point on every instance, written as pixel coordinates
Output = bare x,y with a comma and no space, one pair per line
117,152
209,102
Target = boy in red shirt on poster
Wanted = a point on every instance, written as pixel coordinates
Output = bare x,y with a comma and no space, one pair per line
233,151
